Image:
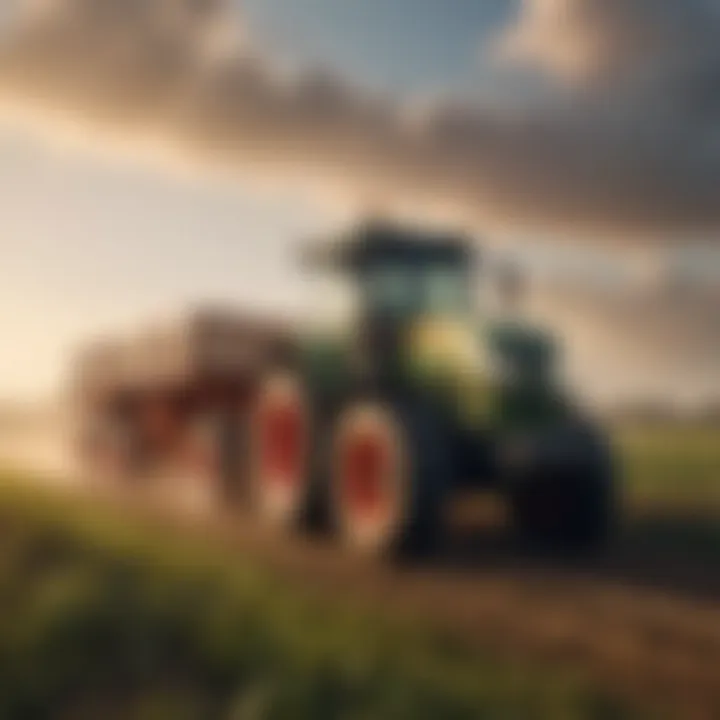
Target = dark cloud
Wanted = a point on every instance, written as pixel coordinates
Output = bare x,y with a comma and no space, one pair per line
625,142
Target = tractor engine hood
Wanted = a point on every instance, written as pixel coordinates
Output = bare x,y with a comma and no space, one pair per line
447,354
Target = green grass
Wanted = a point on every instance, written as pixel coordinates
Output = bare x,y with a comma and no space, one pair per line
103,616
671,483
672,464
108,616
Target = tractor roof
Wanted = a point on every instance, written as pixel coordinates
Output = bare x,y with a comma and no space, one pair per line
380,242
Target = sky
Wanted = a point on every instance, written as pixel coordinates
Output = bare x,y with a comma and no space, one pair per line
108,217
421,47
90,244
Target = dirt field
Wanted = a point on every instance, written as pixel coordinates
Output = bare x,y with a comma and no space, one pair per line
644,620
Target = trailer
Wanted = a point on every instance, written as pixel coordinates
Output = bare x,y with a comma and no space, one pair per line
172,397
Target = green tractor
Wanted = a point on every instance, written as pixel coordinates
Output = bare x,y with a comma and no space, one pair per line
372,430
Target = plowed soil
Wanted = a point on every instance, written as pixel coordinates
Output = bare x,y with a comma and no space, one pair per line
642,619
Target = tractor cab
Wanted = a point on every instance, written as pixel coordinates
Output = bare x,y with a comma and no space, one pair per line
411,289
414,295
402,274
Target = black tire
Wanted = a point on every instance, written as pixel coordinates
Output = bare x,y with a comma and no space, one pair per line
420,481
570,509
563,515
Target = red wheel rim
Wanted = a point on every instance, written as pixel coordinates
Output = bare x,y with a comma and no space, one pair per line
282,443
366,467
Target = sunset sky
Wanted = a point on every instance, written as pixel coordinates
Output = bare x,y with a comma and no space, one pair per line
157,153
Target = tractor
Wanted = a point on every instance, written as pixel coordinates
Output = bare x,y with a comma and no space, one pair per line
370,430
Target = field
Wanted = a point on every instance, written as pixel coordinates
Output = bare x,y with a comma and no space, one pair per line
108,610
672,464
672,491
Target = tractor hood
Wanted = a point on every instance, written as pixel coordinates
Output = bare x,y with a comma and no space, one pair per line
449,355
504,375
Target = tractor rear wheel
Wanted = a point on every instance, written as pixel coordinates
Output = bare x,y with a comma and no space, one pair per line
389,474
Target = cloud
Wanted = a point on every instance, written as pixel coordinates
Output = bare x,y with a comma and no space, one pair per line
659,342
618,41
624,141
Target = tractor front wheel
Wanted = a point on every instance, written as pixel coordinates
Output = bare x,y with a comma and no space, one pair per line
565,512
